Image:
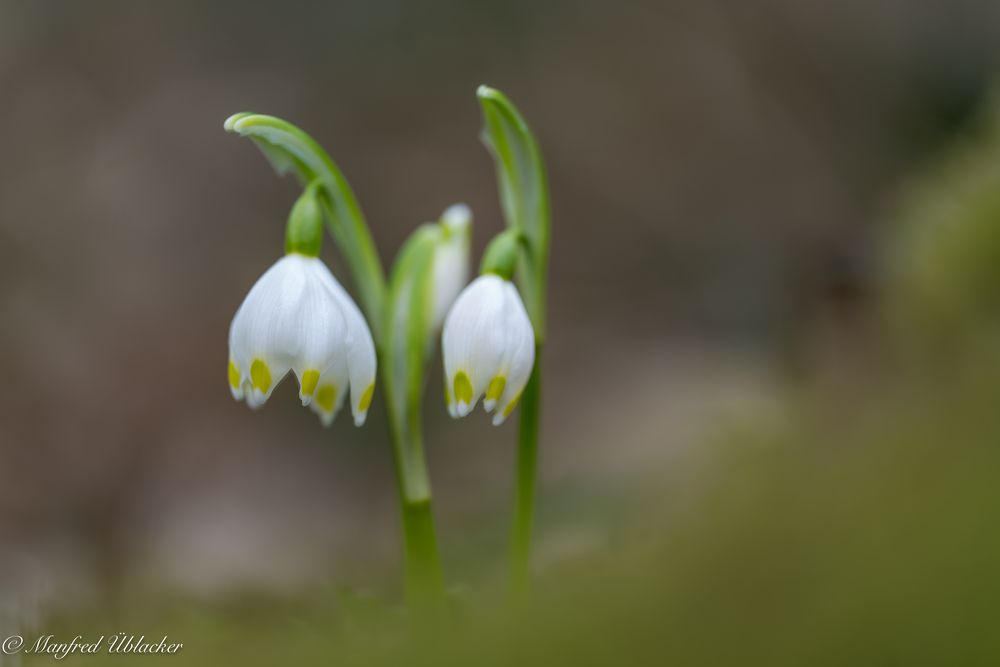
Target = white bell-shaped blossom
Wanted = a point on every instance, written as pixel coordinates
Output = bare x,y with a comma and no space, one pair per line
451,261
297,317
489,347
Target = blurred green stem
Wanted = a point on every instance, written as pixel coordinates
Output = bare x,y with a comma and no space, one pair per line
424,580
403,365
527,469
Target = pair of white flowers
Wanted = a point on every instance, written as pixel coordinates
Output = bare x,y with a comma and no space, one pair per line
297,318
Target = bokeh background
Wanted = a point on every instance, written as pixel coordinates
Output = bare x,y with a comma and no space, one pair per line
729,182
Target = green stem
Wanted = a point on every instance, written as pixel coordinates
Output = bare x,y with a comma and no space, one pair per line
527,468
402,364
424,580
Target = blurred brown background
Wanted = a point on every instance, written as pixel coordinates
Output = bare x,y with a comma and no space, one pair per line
718,170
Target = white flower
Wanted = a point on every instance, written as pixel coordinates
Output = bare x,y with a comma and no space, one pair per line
297,317
489,346
451,261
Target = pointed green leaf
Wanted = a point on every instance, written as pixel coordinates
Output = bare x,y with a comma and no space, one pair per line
524,193
406,347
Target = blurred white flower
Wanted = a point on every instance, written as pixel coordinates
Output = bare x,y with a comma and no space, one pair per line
297,317
451,261
489,346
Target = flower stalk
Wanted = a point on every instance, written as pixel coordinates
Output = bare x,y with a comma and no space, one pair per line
525,482
524,198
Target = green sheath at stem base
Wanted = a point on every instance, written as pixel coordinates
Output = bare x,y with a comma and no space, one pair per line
424,582
422,567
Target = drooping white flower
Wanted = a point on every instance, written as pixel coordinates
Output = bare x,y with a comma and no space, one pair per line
489,347
297,317
451,261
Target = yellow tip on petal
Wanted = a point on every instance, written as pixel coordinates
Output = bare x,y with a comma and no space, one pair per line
463,388
326,396
309,380
234,375
260,375
496,388
510,406
366,398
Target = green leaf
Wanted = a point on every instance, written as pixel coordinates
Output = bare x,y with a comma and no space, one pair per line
409,301
411,330
524,194
407,326
289,149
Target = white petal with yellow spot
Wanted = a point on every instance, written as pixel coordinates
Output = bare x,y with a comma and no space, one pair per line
360,361
489,347
297,317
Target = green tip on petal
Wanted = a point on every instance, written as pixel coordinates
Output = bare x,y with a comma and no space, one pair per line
496,388
234,376
463,388
326,397
260,375
309,380
366,398
510,406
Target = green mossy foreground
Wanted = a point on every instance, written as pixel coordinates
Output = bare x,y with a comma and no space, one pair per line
873,545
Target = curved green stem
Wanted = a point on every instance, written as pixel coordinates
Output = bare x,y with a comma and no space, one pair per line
404,360
527,470
424,578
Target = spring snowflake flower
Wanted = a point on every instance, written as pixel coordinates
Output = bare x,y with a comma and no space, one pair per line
489,346
297,317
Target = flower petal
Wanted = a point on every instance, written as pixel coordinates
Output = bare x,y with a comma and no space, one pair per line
288,321
331,388
360,350
473,341
519,357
